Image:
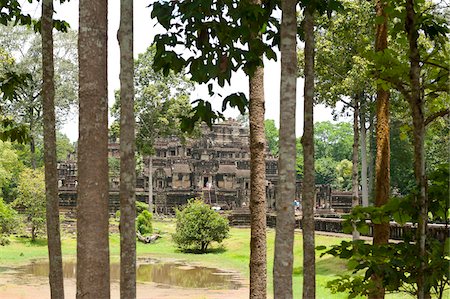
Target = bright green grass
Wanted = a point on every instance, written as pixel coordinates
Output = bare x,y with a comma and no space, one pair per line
232,255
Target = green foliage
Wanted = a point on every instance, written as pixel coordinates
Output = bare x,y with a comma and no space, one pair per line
198,225
333,152
20,80
63,147
141,206
333,140
325,171
113,167
402,156
31,199
397,263
10,167
213,39
272,136
9,219
160,103
11,12
438,192
343,175
144,223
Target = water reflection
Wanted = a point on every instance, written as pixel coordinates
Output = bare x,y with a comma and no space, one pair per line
173,273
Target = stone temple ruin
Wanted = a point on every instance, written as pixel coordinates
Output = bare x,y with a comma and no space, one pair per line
215,167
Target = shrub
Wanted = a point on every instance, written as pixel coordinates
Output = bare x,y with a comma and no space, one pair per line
144,223
9,221
198,225
31,199
140,207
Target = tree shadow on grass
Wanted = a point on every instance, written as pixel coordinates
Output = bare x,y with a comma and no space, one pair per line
217,250
27,241
325,267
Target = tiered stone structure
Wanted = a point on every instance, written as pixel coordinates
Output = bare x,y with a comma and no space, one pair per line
215,167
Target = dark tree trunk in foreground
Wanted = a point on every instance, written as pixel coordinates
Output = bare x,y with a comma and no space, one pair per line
51,174
92,212
309,268
355,179
417,104
127,159
284,239
382,160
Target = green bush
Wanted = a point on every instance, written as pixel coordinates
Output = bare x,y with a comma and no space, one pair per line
198,225
144,223
9,219
140,207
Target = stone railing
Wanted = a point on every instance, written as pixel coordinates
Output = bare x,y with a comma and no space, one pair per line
334,225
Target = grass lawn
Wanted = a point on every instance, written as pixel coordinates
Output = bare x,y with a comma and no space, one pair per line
232,255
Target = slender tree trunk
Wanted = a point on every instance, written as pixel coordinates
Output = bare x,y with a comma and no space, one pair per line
257,205
382,163
355,179
93,272
364,187
127,159
258,267
32,142
416,102
285,225
150,184
372,154
309,269
51,175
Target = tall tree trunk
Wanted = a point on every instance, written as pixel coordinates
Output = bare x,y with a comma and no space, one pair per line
417,104
355,179
372,154
382,162
285,225
56,277
362,124
127,159
93,279
32,142
150,184
258,246
309,269
258,263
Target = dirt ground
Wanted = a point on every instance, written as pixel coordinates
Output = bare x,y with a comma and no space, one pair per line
31,287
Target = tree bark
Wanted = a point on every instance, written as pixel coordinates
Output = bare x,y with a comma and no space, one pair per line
150,184
93,274
372,155
56,278
309,269
364,187
417,104
258,267
285,224
127,151
355,179
382,162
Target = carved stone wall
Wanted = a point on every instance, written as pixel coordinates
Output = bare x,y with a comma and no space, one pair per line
215,167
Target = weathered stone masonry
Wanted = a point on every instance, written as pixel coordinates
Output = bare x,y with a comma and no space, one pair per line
215,166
